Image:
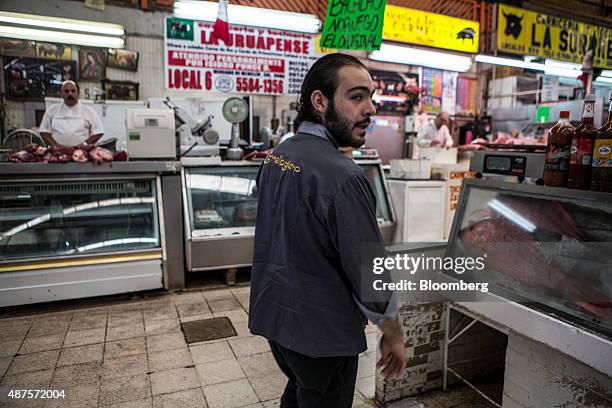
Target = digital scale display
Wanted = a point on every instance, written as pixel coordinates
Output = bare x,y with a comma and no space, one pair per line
509,165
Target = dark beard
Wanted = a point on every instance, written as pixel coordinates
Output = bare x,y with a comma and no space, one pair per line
340,128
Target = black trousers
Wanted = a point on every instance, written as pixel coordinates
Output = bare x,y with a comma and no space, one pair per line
325,382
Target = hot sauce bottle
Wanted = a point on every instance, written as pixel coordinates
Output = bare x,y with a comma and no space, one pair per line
602,156
558,151
582,147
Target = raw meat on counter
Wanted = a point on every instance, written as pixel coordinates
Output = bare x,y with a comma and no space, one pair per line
23,157
63,154
512,251
100,155
80,156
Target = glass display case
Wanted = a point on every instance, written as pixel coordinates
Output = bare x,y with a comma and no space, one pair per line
71,231
384,214
221,205
547,248
221,199
220,208
50,219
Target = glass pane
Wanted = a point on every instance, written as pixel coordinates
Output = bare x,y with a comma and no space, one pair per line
553,251
221,197
372,172
73,217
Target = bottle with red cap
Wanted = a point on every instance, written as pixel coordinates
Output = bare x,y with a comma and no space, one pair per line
558,151
582,147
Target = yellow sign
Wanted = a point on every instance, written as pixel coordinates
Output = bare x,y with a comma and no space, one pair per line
319,50
524,32
430,29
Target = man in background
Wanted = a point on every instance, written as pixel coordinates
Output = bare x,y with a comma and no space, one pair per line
435,132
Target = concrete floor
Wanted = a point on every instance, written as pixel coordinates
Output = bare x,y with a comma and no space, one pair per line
132,354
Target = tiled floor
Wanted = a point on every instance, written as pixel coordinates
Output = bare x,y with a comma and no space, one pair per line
132,354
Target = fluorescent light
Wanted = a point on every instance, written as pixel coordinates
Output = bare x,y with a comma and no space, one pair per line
417,56
603,79
62,23
248,16
556,68
509,62
62,30
562,64
562,72
61,37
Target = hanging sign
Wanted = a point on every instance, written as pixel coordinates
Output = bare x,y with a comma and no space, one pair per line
525,32
430,29
353,25
255,60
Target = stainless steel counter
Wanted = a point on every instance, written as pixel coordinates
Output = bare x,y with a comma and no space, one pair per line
158,167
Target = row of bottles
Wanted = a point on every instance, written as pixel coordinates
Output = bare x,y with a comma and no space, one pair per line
580,157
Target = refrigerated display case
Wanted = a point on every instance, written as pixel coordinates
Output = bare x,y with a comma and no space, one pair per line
80,232
547,248
385,214
220,208
220,205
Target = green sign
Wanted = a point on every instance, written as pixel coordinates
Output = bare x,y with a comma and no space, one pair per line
179,29
353,25
543,114
134,135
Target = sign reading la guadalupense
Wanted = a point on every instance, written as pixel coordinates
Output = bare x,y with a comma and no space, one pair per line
255,61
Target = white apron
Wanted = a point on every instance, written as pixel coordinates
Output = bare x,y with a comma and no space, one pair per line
69,128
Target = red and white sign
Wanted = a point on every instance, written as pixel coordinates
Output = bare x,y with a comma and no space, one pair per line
253,60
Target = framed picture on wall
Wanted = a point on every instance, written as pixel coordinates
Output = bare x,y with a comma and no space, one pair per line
120,90
122,59
92,64
35,78
53,51
18,48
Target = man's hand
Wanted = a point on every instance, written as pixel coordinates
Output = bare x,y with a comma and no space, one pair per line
393,358
48,139
394,355
434,143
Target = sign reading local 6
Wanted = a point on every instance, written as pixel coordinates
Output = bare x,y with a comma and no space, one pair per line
254,60
524,32
434,30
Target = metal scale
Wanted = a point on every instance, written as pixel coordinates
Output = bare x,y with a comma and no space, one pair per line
501,161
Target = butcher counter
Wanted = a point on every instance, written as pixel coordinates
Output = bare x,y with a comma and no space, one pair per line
545,320
77,230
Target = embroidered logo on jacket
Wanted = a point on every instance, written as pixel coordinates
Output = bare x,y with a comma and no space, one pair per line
282,163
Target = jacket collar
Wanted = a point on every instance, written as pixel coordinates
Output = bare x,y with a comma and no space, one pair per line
316,129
